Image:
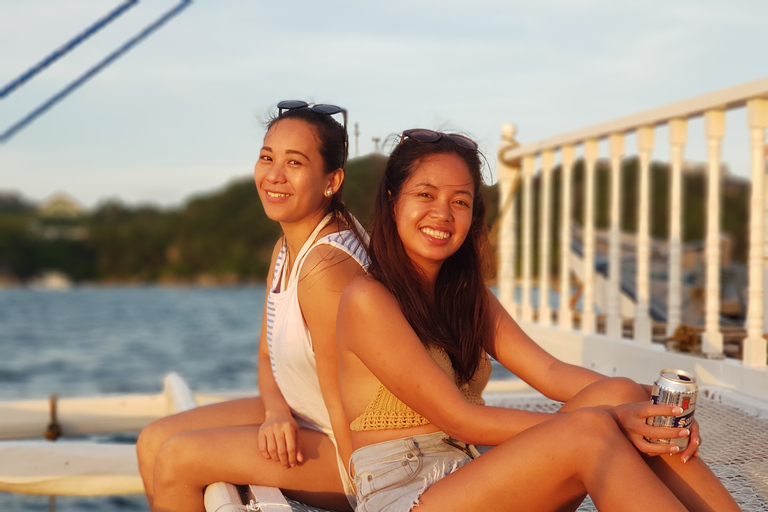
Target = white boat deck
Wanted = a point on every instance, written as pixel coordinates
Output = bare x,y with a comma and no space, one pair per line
735,444
734,428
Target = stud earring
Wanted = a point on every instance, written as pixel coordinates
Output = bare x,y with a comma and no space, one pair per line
328,193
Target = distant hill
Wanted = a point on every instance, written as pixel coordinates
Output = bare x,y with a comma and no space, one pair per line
224,237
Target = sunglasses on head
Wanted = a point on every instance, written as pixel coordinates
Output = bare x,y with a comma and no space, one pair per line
431,136
321,108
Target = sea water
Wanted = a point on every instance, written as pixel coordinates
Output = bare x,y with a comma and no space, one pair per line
96,341
88,341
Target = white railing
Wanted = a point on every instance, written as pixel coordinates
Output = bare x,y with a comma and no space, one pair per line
518,165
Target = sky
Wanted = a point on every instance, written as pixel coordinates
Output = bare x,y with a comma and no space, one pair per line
183,112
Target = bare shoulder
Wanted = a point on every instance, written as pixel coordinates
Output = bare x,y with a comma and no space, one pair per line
366,296
328,266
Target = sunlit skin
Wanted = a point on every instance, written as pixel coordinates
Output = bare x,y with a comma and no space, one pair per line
257,440
290,178
540,461
434,210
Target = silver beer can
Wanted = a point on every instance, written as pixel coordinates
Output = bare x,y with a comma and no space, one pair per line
674,387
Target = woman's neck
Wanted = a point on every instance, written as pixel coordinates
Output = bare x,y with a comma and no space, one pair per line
297,233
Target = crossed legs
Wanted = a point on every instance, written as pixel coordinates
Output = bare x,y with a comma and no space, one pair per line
180,454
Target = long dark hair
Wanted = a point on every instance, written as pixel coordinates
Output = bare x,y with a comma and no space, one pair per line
332,144
453,316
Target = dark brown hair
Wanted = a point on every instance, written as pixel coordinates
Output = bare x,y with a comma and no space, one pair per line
455,314
332,144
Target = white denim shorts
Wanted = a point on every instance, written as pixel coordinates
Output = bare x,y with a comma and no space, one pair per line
391,476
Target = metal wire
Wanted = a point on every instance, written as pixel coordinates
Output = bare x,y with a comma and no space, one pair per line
8,133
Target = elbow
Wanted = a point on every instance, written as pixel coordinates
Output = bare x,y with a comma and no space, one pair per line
458,423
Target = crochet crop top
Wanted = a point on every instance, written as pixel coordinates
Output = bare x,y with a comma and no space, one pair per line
386,411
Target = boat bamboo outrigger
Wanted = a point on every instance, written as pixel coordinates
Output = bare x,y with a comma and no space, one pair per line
736,444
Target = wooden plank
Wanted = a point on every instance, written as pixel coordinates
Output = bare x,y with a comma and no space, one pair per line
269,499
81,416
732,97
69,468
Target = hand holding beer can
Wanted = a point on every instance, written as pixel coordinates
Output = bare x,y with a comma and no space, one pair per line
674,387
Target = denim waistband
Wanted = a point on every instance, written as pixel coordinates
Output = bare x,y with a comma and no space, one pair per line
434,441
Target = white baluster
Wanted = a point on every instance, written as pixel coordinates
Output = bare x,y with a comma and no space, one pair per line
614,321
508,175
588,311
564,314
527,243
755,351
678,129
547,162
712,338
643,329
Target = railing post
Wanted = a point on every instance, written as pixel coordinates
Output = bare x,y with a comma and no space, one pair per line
547,162
588,310
527,243
614,328
508,175
712,338
755,351
643,330
564,314
678,129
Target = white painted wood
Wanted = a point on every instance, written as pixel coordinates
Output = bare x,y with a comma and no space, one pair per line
508,175
729,98
527,243
564,314
178,395
222,497
545,207
712,338
643,328
588,310
69,468
270,499
613,326
678,130
754,350
81,416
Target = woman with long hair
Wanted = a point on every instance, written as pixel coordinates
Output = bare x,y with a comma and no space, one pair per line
294,434
414,340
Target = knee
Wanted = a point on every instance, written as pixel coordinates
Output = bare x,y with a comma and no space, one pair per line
170,460
592,426
150,439
620,390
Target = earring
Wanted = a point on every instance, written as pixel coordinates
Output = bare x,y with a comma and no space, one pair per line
328,193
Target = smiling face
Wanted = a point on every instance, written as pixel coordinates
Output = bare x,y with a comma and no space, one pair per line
434,210
290,174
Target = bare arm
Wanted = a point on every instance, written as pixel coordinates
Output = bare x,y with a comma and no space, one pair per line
329,272
372,328
514,349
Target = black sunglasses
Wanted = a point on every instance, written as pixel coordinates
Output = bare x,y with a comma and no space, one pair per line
321,108
429,136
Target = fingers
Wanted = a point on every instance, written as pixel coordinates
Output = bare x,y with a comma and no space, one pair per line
692,450
277,441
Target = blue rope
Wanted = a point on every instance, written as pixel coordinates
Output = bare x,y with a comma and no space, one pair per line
67,47
94,70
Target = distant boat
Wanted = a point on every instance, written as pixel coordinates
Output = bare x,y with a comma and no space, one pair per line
51,280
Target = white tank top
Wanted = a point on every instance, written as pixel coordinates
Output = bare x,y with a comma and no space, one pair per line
291,353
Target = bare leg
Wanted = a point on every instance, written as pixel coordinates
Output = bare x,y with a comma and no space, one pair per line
191,460
692,482
550,467
246,411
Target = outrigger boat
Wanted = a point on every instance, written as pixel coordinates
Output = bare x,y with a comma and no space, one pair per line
735,430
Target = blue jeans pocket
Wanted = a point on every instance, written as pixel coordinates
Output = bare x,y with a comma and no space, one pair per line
389,474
